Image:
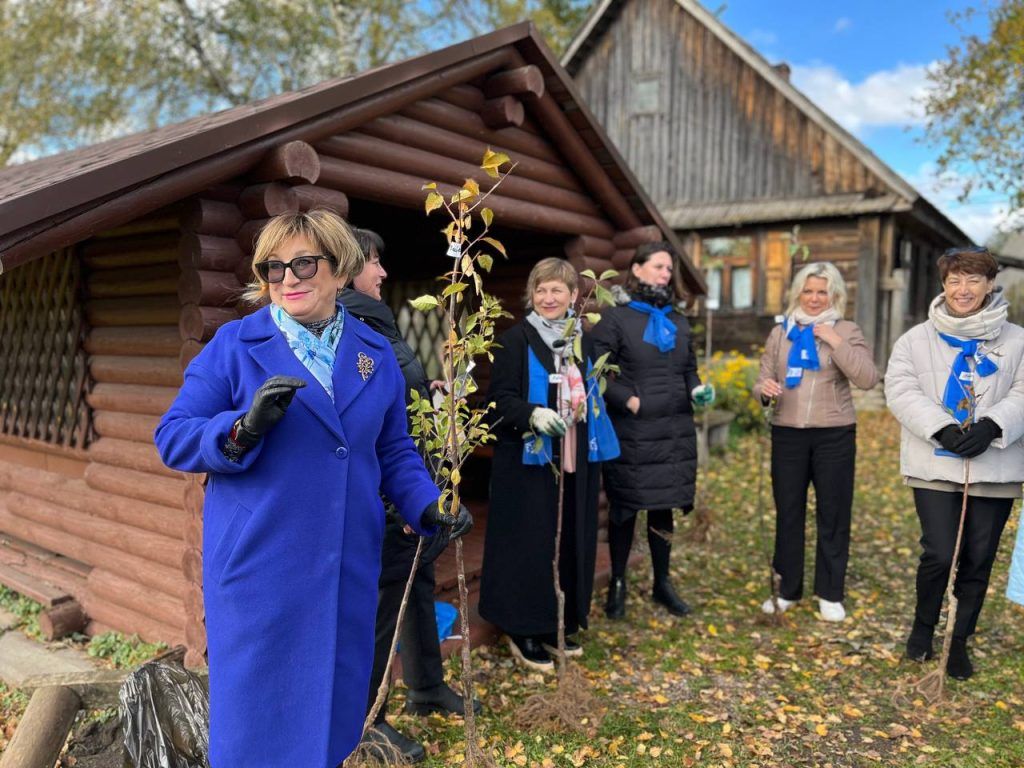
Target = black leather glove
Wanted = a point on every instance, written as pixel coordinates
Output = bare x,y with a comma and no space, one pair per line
976,440
949,436
459,523
268,407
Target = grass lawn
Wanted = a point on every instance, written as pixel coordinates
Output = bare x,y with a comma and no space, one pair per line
723,688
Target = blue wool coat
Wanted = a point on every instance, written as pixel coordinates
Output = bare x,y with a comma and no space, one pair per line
292,538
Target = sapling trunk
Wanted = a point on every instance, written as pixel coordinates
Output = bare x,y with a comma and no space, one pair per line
371,753
454,460
932,685
556,561
774,579
451,443
703,518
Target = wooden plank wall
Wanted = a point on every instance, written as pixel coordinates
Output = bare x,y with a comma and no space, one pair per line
720,131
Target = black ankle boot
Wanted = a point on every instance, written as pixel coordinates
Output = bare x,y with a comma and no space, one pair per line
615,607
440,698
959,665
664,594
919,644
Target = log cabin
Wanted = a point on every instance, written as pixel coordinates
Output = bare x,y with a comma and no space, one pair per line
119,261
743,166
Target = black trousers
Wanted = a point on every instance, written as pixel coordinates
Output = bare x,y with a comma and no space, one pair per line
825,456
939,513
420,648
659,531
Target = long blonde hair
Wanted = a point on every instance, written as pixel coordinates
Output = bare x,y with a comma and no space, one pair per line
325,230
833,280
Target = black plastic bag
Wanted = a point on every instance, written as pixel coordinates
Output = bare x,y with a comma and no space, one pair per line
165,715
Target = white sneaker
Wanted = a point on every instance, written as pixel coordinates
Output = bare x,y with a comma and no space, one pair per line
768,606
831,611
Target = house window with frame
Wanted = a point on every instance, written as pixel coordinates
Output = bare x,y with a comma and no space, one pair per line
730,271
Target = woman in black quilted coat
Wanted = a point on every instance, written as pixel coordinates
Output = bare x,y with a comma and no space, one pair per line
650,402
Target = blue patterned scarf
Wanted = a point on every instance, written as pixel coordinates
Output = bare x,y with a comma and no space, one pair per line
803,354
317,353
660,331
958,398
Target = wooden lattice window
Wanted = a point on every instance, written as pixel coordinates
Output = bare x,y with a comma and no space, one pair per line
425,332
43,371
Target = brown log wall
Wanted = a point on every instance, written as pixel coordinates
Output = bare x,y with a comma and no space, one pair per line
156,293
122,517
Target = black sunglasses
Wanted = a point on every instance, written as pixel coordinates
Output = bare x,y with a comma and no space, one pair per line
303,267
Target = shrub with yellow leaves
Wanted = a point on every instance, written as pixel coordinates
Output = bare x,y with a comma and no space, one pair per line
733,376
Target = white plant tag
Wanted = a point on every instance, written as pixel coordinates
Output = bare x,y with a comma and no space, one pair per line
455,249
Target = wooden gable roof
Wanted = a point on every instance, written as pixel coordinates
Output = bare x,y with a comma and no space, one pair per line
56,201
756,148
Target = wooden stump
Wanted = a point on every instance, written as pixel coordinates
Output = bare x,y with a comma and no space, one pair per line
62,620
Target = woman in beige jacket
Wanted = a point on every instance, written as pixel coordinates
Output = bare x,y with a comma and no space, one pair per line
808,364
956,384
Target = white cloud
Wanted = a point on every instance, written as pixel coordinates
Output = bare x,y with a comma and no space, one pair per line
979,217
842,24
886,97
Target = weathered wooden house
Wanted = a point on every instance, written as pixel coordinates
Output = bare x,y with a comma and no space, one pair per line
120,260
735,158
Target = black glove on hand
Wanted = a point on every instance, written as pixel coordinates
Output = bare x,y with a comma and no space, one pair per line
268,407
458,524
977,439
949,436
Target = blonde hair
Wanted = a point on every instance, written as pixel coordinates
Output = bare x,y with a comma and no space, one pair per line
827,271
326,231
545,270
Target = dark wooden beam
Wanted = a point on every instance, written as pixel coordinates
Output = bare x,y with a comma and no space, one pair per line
503,112
262,200
295,162
526,82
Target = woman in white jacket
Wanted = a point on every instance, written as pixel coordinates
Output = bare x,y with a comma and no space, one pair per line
956,384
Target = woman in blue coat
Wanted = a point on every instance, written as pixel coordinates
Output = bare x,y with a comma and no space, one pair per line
297,415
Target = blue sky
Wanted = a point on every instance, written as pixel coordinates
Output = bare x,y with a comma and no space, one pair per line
863,62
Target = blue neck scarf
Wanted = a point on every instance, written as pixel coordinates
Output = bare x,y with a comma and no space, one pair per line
803,354
316,353
602,442
660,331
958,398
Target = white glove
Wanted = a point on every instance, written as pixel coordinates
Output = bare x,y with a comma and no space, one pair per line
547,422
703,394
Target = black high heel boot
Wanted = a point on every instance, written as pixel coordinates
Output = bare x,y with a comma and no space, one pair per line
615,607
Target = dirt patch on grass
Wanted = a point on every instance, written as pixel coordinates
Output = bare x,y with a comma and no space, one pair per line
95,744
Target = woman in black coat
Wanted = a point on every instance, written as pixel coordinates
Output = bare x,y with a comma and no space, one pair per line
650,405
538,400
